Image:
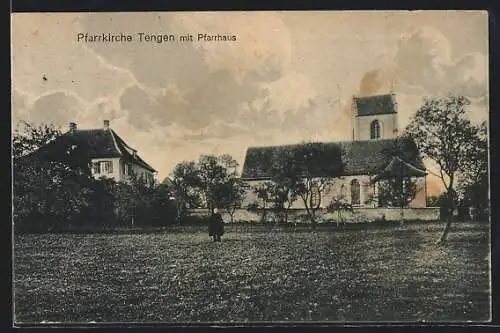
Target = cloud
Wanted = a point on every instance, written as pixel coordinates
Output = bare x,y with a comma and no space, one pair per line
212,82
289,76
374,82
222,97
425,62
157,65
262,37
46,58
54,108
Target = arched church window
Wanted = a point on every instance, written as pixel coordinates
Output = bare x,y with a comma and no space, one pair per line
355,192
343,194
315,195
375,130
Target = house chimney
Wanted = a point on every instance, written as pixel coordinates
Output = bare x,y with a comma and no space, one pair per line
106,125
72,127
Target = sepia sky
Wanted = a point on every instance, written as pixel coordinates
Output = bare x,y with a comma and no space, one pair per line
289,76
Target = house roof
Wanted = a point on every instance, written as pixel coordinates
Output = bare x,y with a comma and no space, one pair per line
375,105
368,157
101,143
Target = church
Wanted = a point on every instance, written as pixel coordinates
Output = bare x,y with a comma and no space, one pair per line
365,159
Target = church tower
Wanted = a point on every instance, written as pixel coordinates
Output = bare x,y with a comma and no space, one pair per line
375,117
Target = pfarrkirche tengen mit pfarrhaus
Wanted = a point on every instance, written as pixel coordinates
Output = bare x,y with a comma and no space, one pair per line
151,37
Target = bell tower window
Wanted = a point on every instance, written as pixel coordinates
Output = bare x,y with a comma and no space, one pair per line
375,130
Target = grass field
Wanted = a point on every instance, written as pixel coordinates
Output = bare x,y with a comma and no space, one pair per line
389,273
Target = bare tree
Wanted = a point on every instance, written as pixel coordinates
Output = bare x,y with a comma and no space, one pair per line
318,166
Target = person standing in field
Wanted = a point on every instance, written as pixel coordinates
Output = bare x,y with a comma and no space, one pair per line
216,225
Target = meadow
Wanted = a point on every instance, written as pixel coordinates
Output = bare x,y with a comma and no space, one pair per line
385,273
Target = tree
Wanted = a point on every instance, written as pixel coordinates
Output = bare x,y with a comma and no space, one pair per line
285,179
316,168
443,134
163,209
102,208
397,191
262,192
135,200
473,189
281,199
339,205
51,177
184,186
231,195
214,173
210,182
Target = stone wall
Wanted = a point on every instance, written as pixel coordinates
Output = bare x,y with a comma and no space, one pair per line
359,215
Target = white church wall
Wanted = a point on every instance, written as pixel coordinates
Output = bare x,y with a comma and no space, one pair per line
341,187
334,190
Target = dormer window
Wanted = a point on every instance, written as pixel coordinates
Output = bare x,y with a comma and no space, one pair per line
375,130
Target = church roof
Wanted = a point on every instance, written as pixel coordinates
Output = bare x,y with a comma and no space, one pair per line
99,143
368,157
375,105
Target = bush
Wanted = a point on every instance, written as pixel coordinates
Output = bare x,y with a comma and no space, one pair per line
253,207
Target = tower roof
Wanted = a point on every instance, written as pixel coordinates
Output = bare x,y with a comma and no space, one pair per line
375,105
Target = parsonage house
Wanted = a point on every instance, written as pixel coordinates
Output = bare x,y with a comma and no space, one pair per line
110,155
368,158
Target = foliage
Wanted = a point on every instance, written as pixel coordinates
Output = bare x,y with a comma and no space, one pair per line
29,138
435,200
397,192
231,195
473,189
302,173
262,192
280,198
283,188
253,207
210,182
50,186
183,185
444,134
53,187
339,205
316,175
136,203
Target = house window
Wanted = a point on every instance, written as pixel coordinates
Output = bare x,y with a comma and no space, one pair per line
107,166
355,192
150,178
375,130
126,168
96,167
